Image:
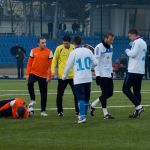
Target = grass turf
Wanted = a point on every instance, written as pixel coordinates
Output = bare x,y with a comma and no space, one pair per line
64,133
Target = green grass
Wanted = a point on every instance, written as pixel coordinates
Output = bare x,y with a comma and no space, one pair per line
54,133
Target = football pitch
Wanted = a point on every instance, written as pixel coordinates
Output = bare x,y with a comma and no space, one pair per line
63,133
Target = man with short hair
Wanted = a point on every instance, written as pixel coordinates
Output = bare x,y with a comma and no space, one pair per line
39,69
103,53
136,70
59,61
82,60
20,56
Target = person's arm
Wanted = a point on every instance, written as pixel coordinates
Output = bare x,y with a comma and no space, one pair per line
55,61
50,65
69,65
93,60
97,53
134,50
29,64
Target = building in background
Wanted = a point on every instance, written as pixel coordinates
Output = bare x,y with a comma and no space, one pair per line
33,17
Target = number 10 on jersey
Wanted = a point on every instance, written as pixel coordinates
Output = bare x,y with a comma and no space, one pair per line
83,64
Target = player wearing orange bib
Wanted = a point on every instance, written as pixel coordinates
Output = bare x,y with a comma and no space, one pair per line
39,69
15,108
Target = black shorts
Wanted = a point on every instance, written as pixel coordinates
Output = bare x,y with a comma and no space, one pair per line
83,91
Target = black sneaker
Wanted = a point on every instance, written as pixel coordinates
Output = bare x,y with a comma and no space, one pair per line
77,113
108,116
91,110
137,113
61,114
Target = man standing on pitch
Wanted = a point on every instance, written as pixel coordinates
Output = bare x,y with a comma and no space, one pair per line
82,60
39,69
136,70
59,61
103,53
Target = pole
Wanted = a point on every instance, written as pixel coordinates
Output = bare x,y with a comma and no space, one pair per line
55,20
12,20
41,18
101,18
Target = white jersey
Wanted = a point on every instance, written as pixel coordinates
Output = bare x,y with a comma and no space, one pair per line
137,55
82,60
104,58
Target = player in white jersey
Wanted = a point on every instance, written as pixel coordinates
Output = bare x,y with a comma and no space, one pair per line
136,70
103,71
82,60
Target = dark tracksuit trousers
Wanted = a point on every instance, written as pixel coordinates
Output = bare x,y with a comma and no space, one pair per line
62,84
20,70
106,85
134,81
43,89
6,112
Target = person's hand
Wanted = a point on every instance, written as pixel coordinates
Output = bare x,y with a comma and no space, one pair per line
48,79
127,50
63,77
27,78
98,78
53,74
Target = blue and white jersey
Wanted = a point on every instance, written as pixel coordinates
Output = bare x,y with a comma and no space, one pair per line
137,55
82,59
104,58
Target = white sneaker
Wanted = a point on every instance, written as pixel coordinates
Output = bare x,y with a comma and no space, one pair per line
31,104
81,120
44,114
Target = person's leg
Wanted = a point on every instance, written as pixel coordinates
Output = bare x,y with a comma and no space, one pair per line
60,92
80,93
43,91
22,71
95,102
18,70
149,71
70,81
7,112
3,102
146,67
107,92
137,87
32,79
87,92
128,83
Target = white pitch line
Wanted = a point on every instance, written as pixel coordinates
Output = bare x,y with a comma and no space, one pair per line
66,93
23,90
125,106
56,90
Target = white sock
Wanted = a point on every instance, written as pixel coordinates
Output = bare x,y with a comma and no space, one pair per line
138,107
105,111
96,102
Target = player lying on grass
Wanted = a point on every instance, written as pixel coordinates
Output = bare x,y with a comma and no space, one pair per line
82,60
15,108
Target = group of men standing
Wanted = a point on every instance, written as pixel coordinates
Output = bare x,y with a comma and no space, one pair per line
68,56
73,63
